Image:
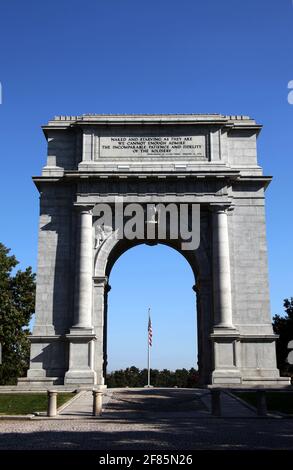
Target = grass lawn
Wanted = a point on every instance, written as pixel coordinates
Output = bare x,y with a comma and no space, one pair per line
276,401
27,403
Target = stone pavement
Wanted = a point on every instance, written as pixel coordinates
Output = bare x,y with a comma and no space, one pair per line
232,407
155,419
82,406
127,403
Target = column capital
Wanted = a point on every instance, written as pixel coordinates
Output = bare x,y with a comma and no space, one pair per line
83,209
221,208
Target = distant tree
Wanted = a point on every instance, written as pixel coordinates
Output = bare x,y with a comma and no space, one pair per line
283,326
119,378
193,378
17,302
133,377
165,379
143,374
155,377
181,377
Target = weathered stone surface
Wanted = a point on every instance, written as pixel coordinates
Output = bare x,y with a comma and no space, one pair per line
209,160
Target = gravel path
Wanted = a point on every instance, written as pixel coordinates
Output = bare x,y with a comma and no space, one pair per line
170,423
179,434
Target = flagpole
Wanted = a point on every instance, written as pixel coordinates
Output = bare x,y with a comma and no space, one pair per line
149,352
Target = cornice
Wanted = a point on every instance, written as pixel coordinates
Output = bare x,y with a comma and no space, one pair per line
65,123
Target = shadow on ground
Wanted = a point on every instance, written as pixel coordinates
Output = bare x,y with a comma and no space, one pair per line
167,434
151,419
148,401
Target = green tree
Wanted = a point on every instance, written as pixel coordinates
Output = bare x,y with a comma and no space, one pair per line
119,378
166,378
17,301
181,377
134,377
283,326
193,378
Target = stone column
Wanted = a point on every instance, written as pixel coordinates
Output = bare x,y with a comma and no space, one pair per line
225,336
221,270
204,307
84,267
101,289
81,337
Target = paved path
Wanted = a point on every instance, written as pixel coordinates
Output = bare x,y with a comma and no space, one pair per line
231,407
141,402
157,419
161,434
82,406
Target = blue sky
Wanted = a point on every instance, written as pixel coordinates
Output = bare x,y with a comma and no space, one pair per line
155,56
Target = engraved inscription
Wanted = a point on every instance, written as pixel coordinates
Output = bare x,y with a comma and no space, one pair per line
153,146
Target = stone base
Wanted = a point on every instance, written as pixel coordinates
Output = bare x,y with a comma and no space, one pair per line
230,378
80,377
56,171
225,342
43,382
277,382
226,376
81,353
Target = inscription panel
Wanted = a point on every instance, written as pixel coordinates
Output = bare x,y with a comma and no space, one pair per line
153,146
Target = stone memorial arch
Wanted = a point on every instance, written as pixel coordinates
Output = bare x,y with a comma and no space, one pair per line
205,160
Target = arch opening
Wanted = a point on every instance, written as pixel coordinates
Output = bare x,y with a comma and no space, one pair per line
109,252
159,277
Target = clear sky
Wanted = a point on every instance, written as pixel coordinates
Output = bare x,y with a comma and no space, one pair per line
154,56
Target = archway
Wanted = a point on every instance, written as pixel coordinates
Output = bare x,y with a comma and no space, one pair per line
161,278
192,161
105,258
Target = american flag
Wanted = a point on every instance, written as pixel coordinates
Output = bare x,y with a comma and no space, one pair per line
150,332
